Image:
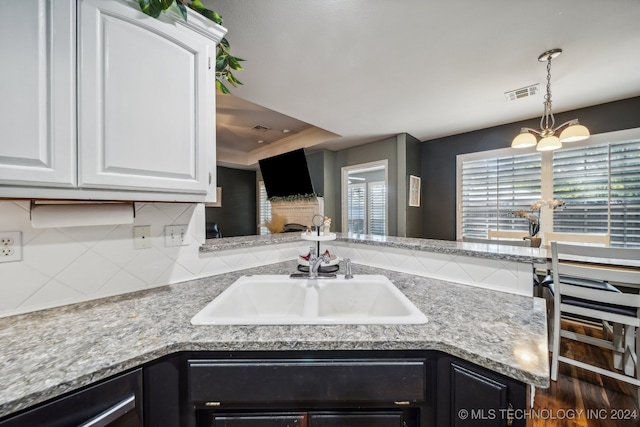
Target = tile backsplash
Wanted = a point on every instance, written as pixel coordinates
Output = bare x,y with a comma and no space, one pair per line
72,264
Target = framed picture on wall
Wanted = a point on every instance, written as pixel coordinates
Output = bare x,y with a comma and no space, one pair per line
414,191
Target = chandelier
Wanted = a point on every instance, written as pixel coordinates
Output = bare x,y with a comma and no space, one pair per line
570,131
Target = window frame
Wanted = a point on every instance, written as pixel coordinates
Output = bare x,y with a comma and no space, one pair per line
345,185
546,178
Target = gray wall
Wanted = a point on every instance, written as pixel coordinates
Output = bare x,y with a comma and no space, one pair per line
412,215
238,214
322,169
439,157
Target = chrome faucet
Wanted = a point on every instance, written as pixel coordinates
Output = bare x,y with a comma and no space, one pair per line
347,267
315,261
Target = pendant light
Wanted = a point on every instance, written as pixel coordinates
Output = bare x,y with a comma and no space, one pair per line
570,131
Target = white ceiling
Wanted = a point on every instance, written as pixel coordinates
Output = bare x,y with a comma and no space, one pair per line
344,72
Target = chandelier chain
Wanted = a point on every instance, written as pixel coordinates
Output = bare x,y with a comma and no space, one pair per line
545,125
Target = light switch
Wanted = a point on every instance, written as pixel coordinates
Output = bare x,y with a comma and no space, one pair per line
175,235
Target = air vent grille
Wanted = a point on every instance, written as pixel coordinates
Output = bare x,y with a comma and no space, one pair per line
260,128
522,92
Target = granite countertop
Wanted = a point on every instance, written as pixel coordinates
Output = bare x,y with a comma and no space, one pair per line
47,353
491,251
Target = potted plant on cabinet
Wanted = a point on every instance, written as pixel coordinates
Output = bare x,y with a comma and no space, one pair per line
226,63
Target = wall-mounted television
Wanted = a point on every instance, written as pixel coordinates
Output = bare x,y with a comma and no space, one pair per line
286,174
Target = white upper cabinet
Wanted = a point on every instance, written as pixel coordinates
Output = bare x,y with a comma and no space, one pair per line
37,93
145,97
144,89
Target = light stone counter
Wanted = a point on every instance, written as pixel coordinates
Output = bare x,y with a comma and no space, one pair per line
489,266
479,250
44,354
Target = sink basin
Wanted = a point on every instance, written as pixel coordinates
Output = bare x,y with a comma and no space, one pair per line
281,300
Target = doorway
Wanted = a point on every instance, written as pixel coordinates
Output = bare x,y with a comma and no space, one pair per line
364,198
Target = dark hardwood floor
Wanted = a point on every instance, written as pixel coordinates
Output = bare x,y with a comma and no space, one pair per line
584,398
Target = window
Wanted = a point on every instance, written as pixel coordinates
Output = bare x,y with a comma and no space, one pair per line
264,209
377,198
601,187
493,188
356,208
599,181
364,204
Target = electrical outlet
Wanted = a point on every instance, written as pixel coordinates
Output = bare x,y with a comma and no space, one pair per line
10,246
142,237
175,235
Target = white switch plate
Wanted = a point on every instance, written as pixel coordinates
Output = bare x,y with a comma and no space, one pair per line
10,246
175,235
142,237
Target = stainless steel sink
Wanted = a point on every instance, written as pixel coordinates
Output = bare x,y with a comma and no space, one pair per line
281,300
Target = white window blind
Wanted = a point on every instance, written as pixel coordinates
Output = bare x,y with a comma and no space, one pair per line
264,209
356,208
600,185
367,205
493,188
581,179
377,208
625,194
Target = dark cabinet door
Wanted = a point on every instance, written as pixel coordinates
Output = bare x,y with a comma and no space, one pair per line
261,420
471,396
114,403
338,419
476,399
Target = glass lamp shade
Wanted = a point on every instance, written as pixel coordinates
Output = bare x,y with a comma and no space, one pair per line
549,143
574,133
524,139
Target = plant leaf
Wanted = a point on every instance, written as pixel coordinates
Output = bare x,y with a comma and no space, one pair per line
221,62
222,88
182,10
165,4
224,42
234,64
150,7
232,79
202,10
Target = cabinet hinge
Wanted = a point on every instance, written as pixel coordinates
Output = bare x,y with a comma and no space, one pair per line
210,178
510,415
209,62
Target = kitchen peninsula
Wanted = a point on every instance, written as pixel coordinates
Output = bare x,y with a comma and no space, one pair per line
46,354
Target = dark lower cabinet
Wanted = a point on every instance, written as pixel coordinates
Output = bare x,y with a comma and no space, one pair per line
310,419
292,389
475,397
116,402
312,389
383,419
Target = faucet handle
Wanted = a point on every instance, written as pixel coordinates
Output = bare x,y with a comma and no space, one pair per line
347,267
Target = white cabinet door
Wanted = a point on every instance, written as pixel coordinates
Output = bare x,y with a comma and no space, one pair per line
37,93
146,101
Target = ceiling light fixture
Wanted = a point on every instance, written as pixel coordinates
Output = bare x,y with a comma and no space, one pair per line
571,131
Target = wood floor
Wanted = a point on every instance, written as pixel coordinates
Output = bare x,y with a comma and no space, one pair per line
583,398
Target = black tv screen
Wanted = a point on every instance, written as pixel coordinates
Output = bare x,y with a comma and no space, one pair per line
286,174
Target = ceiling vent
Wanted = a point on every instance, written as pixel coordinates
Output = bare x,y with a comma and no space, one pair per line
522,92
260,128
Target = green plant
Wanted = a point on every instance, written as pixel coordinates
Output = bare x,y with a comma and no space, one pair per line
226,63
293,198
